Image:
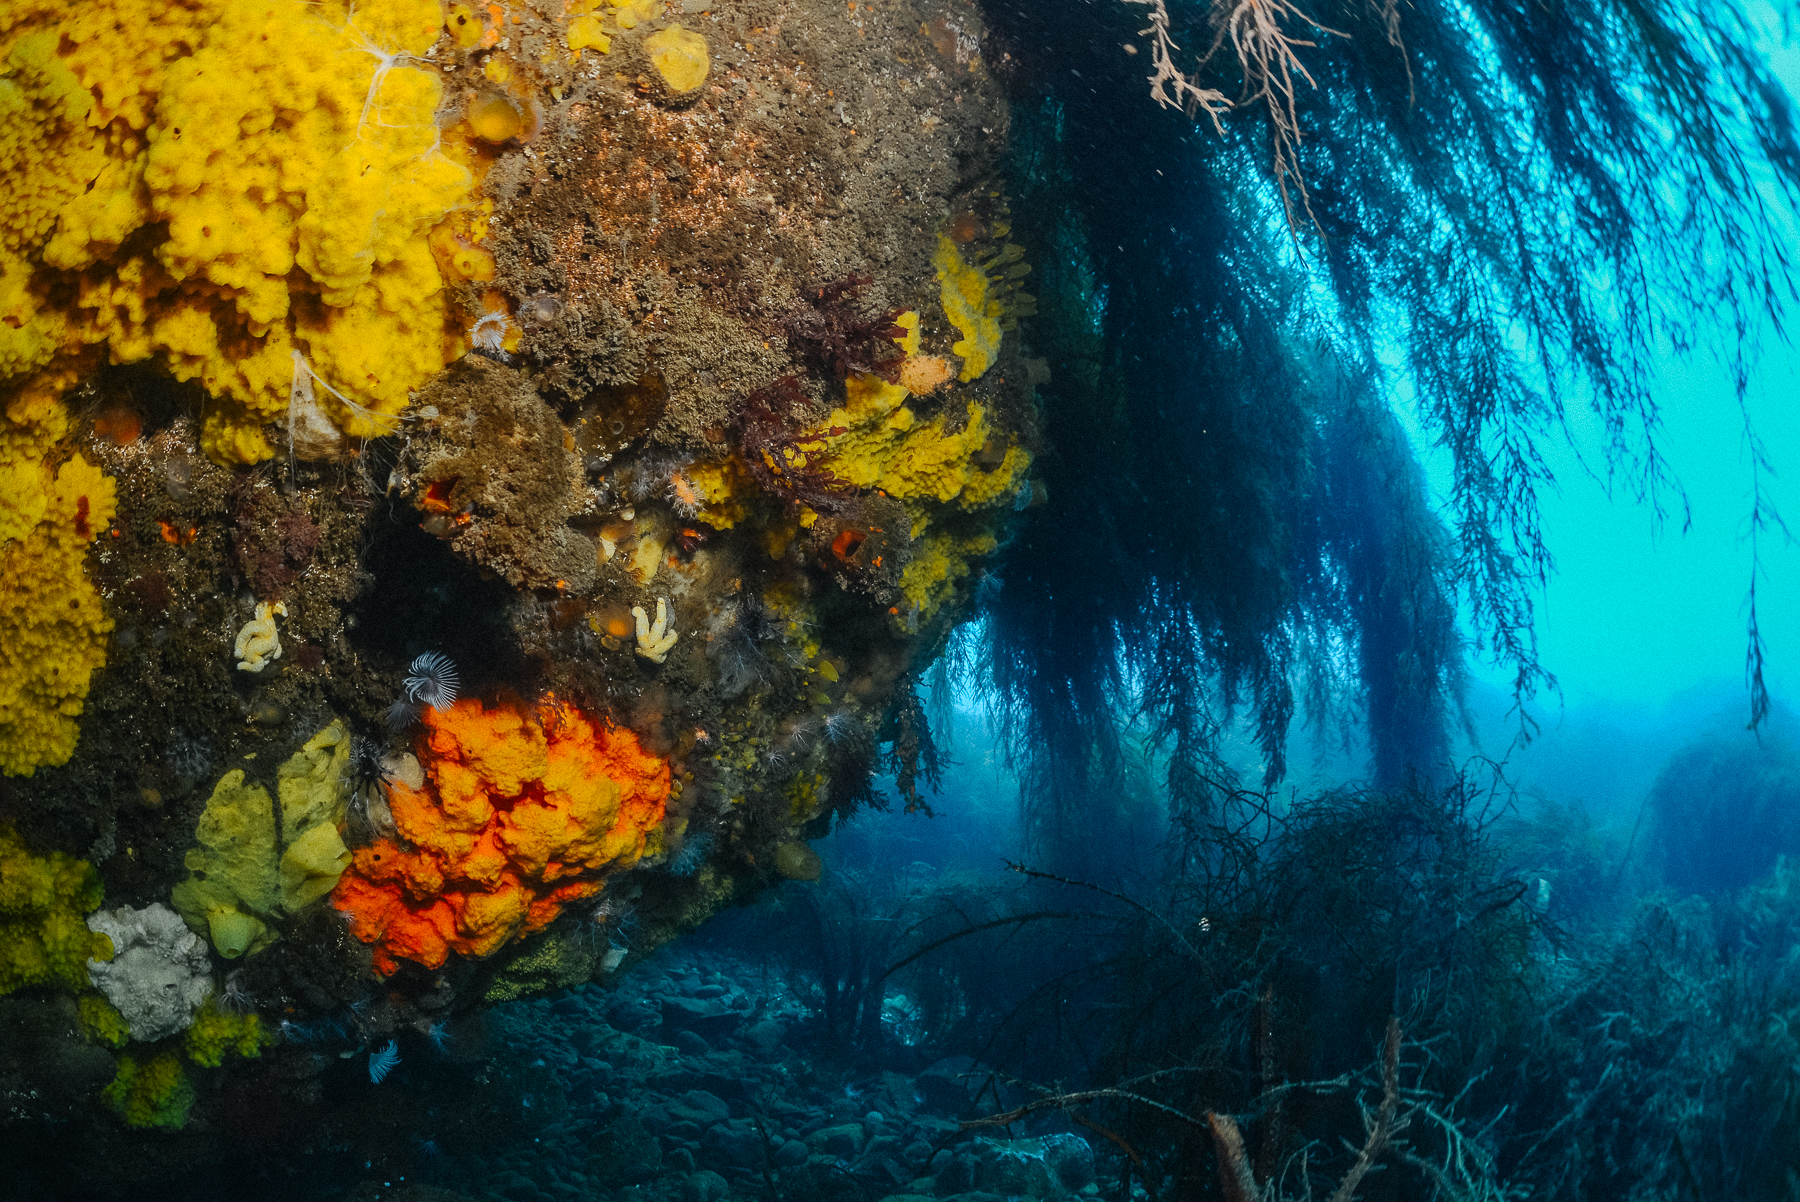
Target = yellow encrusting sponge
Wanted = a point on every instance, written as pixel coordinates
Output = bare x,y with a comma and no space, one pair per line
215,184
53,626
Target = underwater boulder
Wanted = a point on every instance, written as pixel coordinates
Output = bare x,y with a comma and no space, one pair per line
736,1143
626,1152
944,1085
709,1019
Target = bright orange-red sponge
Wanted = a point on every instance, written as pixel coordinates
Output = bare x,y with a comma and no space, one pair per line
520,814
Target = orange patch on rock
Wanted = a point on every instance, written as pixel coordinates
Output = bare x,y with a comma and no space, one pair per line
520,814
120,423
921,374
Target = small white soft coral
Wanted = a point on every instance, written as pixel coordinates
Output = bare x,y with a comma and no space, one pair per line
654,641
259,642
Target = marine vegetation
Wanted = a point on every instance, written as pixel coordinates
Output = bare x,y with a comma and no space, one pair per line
1232,524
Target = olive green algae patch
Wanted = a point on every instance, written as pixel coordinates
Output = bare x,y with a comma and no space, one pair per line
247,869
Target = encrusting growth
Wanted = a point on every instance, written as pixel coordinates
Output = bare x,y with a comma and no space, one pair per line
223,184
518,816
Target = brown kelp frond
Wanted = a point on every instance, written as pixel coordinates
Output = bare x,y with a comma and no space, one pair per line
769,422
913,756
834,337
1169,85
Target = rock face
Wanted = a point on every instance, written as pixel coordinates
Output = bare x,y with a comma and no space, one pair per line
159,974
1038,1167
496,483
712,320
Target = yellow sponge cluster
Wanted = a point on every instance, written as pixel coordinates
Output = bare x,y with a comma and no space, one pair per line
217,184
216,1033
588,30
44,938
885,446
939,561
153,1093
680,57
963,290
929,467
52,625
102,1022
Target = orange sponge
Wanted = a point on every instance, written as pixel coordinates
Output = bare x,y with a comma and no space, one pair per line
520,814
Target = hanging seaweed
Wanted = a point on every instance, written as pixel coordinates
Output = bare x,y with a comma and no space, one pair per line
1507,207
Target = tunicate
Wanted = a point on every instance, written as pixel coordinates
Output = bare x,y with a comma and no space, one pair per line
267,712
178,476
542,309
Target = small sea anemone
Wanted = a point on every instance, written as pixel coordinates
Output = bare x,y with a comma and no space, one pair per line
651,472
802,736
432,681
235,997
367,767
594,930
188,757
686,496
321,1031
737,638
841,727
